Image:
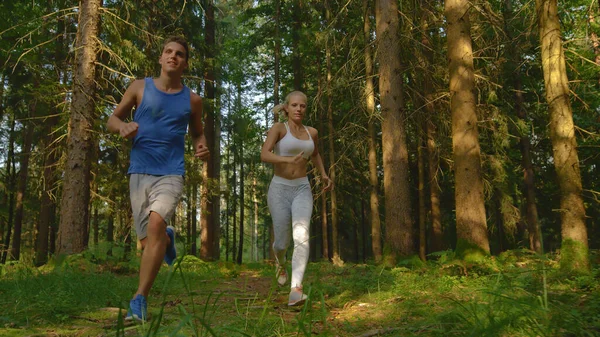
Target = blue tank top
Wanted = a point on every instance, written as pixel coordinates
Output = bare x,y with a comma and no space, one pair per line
159,144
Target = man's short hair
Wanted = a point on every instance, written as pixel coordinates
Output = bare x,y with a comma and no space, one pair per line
182,41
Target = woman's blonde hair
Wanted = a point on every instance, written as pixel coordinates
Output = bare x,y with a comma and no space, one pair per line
279,108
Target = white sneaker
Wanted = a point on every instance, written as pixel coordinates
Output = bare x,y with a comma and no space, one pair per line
282,275
297,297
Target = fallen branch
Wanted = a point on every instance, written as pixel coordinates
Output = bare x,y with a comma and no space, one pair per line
377,332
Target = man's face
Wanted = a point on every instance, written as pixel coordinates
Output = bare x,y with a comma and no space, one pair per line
173,58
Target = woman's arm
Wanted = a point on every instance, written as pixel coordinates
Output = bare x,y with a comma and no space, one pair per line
318,161
266,153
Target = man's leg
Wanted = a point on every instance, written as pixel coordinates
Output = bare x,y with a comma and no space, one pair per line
154,247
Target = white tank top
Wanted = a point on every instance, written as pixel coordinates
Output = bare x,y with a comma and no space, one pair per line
289,146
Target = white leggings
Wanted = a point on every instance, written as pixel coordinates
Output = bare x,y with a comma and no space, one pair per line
291,202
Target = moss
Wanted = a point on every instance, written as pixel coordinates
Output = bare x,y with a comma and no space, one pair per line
470,252
574,258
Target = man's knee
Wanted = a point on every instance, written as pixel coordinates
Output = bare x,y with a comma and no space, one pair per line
156,225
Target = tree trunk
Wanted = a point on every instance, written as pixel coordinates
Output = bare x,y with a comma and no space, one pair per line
188,217
22,187
471,226
255,201
399,222
370,105
96,226
80,143
436,233
216,192
331,142
296,51
242,207
47,217
110,229
10,184
364,226
533,226
207,215
229,198
194,221
127,222
421,186
574,250
2,86
276,80
324,221
47,203
593,12
234,204
433,165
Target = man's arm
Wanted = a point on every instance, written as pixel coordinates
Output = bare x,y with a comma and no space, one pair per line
196,129
116,122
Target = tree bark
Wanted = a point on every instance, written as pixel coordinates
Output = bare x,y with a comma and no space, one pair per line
421,187
235,202
194,220
574,249
242,208
331,142
276,81
436,233
325,248
208,216
22,187
255,201
399,222
593,33
216,193
47,203
229,198
296,50
375,219
533,226
76,187
10,183
471,225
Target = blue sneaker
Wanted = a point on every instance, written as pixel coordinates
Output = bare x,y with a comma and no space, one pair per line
171,253
138,309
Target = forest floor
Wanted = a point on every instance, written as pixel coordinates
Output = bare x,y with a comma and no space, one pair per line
514,294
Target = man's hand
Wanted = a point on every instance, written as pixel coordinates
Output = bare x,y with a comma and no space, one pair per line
129,130
202,152
327,183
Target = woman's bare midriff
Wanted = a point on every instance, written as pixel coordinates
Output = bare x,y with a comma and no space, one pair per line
291,171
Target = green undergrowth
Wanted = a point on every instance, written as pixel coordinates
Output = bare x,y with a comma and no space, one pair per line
515,294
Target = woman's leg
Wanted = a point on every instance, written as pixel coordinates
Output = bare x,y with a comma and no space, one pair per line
302,207
279,202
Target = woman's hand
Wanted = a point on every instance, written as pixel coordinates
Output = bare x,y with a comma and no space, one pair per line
297,159
327,183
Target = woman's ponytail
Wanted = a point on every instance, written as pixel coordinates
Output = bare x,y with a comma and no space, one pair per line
279,110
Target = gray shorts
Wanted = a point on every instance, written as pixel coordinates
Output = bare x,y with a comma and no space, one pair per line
150,193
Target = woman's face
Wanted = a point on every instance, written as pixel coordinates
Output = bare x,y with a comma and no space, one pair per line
296,108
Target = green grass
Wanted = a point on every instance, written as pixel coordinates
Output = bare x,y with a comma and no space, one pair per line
515,294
